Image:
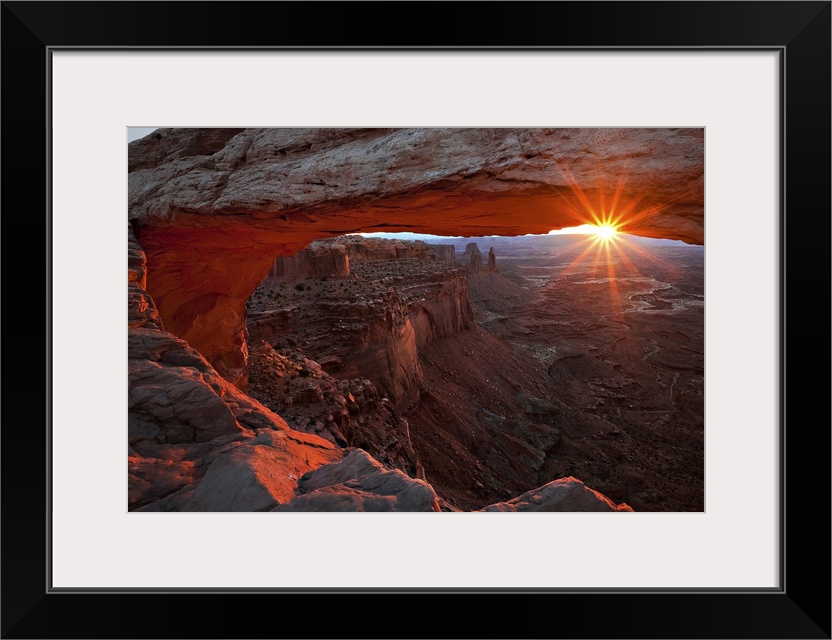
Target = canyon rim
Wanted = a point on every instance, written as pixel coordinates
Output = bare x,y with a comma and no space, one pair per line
282,360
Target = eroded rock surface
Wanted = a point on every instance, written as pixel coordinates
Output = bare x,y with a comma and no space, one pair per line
564,494
187,425
344,412
212,207
372,324
357,482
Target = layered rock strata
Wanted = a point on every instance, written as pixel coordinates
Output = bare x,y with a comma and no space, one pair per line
371,325
473,260
472,257
564,494
212,207
332,257
443,252
357,482
196,442
344,412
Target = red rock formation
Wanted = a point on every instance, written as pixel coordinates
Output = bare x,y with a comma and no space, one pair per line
357,482
492,261
443,252
472,258
345,412
351,339
197,443
564,494
331,257
320,259
372,325
212,208
361,248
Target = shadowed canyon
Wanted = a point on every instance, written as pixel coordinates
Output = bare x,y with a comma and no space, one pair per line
278,361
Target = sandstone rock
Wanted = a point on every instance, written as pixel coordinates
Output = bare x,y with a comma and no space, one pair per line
357,482
183,419
150,479
492,260
314,170
564,494
443,252
472,258
319,259
175,396
212,207
344,412
373,324
261,473
175,501
141,309
331,257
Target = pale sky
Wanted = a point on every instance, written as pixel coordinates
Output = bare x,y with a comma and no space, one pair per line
134,133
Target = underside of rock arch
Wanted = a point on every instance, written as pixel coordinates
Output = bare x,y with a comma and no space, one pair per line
212,208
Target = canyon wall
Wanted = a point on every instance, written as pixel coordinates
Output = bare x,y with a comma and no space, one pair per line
197,443
213,207
332,257
443,252
372,324
318,260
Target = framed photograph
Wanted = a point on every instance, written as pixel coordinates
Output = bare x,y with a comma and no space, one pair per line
746,84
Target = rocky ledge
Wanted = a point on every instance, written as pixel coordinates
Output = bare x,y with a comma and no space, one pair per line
213,207
198,443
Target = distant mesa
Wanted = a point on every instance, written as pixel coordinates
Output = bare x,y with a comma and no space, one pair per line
472,259
443,252
332,257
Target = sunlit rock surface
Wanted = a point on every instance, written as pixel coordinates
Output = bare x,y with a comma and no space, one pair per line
564,494
399,296
197,443
187,425
357,482
213,207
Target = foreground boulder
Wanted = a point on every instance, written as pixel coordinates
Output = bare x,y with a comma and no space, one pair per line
186,425
564,494
357,482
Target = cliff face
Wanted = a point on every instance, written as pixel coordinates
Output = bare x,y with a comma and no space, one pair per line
318,260
441,308
443,252
347,412
372,324
492,260
197,443
473,260
213,207
332,257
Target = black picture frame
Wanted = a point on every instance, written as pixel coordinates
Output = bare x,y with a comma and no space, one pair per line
800,31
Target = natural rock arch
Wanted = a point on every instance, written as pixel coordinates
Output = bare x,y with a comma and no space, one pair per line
212,208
